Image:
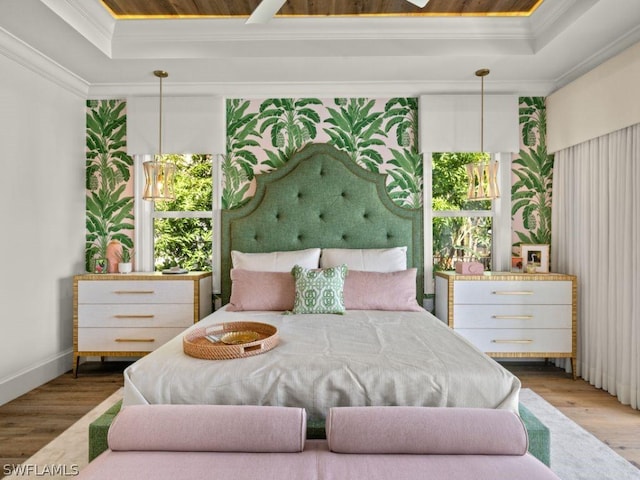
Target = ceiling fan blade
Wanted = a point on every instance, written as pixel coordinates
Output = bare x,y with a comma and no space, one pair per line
419,3
265,11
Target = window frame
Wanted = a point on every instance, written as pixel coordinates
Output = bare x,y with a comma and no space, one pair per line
145,214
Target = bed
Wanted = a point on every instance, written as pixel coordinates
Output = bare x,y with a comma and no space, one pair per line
322,200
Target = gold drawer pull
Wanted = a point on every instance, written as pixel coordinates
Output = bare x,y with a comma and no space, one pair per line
134,316
523,292
133,292
144,340
512,341
512,317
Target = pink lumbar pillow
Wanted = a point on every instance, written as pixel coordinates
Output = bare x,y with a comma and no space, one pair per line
381,290
261,290
208,428
426,431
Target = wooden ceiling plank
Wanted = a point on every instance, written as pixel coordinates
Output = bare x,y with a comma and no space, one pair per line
183,8
194,8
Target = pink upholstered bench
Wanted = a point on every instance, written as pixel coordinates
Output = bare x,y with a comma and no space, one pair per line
249,442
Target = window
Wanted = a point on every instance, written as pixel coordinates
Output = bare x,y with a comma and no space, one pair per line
457,229
182,228
461,228
179,232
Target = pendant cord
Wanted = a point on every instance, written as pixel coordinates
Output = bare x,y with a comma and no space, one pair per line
160,130
483,72
161,74
481,114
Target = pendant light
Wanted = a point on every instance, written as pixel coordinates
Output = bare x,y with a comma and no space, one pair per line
482,177
159,174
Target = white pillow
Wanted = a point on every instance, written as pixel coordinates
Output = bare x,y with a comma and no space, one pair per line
276,261
366,259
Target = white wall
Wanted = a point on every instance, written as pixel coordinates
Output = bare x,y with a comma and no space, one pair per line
600,102
42,219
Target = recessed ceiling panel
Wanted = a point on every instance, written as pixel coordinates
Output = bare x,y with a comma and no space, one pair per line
218,8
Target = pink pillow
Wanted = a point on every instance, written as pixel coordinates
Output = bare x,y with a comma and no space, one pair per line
208,428
426,431
381,291
261,290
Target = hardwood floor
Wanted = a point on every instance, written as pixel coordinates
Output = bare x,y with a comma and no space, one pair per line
595,410
29,422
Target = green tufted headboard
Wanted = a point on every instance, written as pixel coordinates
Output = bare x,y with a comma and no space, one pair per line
320,198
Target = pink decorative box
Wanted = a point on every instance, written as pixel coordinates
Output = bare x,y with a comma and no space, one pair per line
469,268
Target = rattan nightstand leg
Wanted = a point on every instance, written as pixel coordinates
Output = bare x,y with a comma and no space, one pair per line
76,360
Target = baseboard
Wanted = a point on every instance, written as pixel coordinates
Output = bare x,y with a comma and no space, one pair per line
34,376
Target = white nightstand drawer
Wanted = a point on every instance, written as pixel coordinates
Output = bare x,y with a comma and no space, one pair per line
124,339
521,341
135,291
512,316
512,292
136,315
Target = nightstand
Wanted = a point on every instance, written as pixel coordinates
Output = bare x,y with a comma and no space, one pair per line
133,314
510,314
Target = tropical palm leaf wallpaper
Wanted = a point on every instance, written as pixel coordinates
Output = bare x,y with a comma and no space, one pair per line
532,171
108,179
379,135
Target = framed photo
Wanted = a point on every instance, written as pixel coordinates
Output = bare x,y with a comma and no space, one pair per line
100,265
535,258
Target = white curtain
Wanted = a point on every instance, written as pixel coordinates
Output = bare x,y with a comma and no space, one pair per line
596,236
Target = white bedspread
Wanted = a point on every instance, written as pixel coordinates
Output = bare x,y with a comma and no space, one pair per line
358,359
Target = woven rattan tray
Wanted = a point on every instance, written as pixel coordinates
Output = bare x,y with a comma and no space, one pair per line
196,345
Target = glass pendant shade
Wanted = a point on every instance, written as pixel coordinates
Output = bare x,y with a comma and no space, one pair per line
483,181
159,180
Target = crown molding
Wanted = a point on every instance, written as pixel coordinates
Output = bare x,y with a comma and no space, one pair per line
307,28
553,16
23,54
312,37
597,58
325,89
89,18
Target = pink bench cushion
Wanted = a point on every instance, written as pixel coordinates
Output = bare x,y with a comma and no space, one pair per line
336,466
315,463
209,428
425,430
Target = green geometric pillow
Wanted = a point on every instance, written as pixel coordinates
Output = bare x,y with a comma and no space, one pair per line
319,291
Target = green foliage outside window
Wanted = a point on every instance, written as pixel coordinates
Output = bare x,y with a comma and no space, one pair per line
458,238
186,242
